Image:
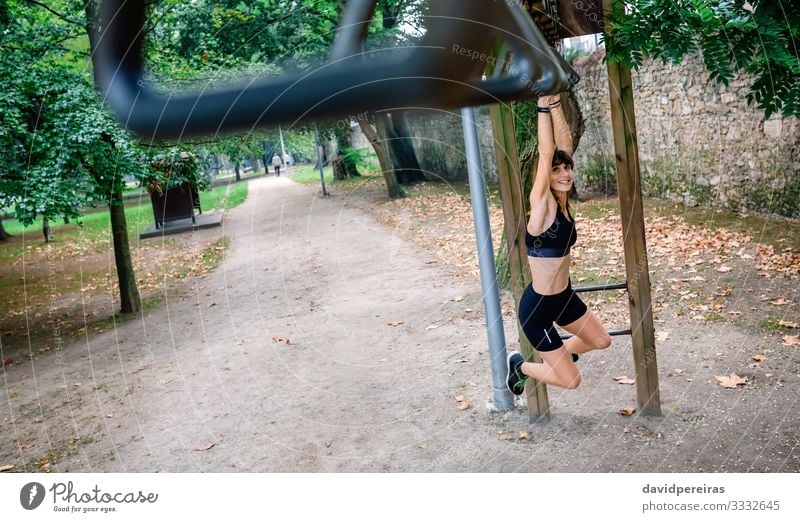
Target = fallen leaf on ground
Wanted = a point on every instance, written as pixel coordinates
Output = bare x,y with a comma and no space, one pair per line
791,340
7,467
396,323
8,362
460,398
730,381
432,327
724,268
524,435
463,405
662,335
206,447
678,371
423,446
458,299
504,436
787,324
624,380
779,302
627,411
758,358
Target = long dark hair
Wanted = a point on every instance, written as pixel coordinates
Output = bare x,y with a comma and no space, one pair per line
562,158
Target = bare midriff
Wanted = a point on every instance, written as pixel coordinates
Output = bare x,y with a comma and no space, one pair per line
549,275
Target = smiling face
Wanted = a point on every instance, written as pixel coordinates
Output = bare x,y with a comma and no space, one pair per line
561,177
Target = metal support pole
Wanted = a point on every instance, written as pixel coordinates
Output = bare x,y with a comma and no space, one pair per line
283,151
319,161
502,398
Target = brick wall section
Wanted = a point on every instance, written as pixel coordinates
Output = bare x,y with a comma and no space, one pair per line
699,141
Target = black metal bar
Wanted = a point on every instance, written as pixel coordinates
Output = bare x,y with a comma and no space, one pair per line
353,28
444,70
599,288
612,333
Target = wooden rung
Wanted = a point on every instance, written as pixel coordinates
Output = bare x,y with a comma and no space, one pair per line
626,331
599,288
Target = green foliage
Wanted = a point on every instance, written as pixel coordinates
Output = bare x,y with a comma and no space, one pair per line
759,38
60,148
172,169
526,126
765,198
570,55
599,175
361,157
502,267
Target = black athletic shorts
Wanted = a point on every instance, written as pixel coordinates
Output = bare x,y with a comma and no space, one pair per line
537,313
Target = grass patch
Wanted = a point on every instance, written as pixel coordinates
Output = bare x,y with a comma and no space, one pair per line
214,253
772,325
589,276
96,225
225,196
715,317
107,323
309,175
595,208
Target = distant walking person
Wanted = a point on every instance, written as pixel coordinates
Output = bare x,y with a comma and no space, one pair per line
276,163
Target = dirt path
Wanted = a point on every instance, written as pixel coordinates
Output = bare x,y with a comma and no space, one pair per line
327,342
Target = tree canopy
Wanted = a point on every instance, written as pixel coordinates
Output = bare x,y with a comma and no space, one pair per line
758,37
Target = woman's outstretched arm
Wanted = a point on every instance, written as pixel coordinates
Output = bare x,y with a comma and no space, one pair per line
563,134
540,192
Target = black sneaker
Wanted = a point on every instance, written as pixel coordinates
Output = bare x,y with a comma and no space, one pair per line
515,379
575,357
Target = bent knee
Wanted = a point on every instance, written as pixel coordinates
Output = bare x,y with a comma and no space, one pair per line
603,342
573,382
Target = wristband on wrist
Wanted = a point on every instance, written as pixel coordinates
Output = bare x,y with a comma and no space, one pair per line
542,109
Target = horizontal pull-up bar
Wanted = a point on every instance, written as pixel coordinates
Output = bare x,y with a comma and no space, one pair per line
444,70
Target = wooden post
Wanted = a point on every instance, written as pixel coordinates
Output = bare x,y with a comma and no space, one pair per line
626,151
514,213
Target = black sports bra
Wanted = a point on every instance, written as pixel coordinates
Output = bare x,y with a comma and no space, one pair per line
556,241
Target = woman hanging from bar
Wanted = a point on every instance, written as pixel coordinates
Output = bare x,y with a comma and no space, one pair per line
549,298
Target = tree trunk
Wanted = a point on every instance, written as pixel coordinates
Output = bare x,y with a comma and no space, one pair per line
382,151
236,170
3,234
323,156
407,167
128,292
92,10
343,163
47,231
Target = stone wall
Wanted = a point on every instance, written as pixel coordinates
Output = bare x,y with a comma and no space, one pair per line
438,139
699,141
